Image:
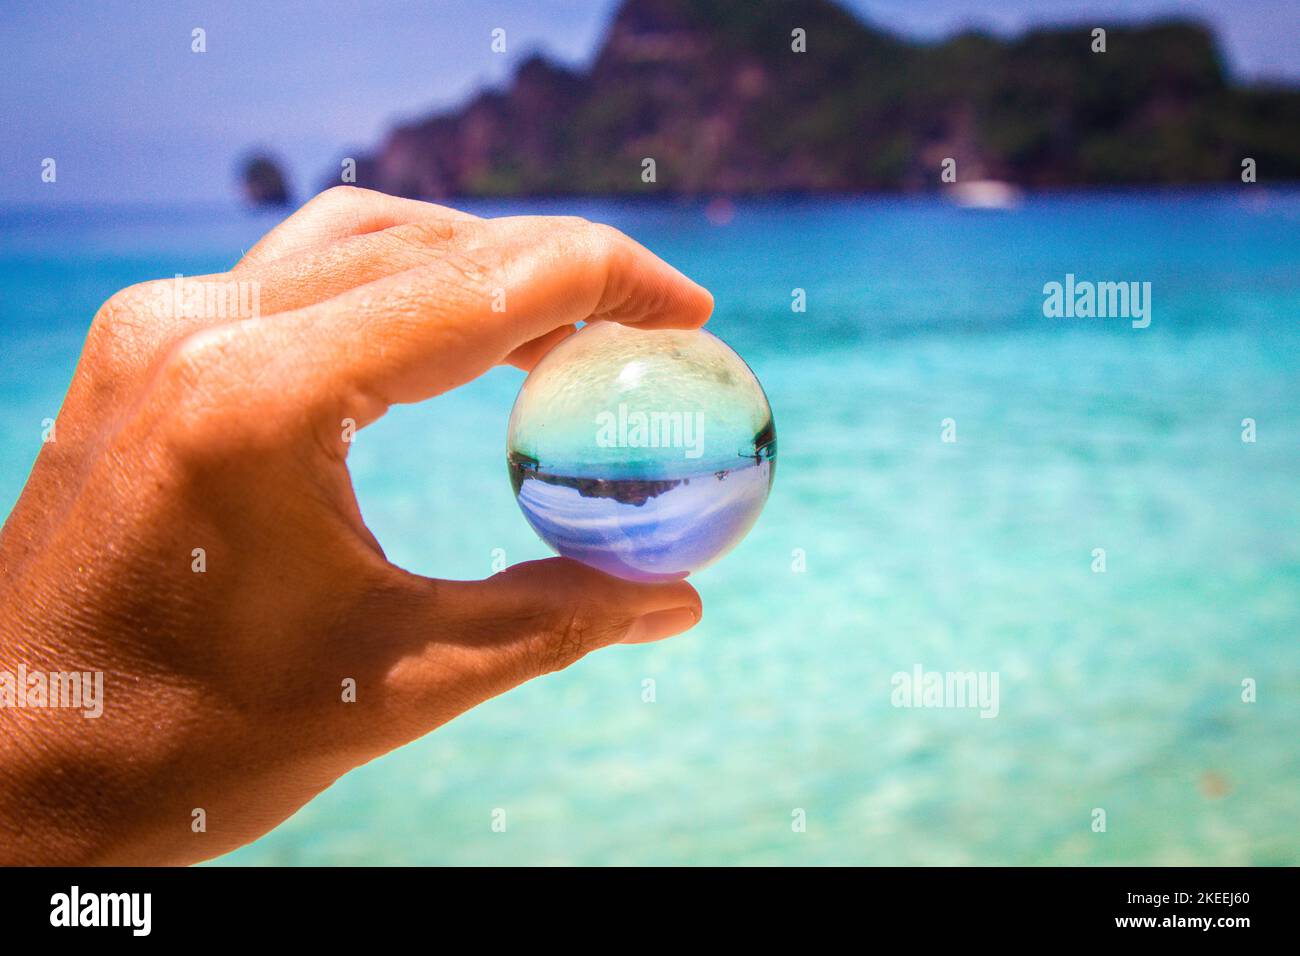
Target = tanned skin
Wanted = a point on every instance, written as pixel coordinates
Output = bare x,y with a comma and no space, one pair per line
224,689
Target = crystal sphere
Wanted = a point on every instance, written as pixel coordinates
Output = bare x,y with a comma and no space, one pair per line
645,453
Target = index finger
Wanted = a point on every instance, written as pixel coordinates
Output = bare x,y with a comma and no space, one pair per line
340,213
408,337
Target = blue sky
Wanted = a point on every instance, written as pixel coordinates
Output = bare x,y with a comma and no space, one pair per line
129,113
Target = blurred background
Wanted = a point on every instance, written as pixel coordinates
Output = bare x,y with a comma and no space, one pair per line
136,148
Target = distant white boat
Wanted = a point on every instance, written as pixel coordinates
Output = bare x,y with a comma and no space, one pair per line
986,194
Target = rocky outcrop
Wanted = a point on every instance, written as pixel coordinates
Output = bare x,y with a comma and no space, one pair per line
715,94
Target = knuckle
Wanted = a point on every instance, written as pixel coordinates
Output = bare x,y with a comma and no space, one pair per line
202,387
126,301
426,233
474,269
192,363
122,327
570,223
579,240
339,197
606,249
605,240
568,639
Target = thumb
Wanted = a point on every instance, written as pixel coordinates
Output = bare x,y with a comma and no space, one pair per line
542,616
450,645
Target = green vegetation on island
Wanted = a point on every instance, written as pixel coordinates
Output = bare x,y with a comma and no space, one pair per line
715,93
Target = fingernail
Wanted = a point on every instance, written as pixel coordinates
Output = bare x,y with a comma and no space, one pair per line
661,624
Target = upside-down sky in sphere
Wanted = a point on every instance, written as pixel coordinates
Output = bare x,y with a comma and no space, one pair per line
132,115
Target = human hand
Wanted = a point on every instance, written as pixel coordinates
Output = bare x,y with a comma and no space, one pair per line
223,689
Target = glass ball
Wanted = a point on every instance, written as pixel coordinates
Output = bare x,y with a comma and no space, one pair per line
645,453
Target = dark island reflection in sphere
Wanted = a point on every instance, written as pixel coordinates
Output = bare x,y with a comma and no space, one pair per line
646,454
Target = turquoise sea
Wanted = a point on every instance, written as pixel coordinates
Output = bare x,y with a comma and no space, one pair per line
1119,690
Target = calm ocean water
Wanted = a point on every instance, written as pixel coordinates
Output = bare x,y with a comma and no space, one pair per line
1119,691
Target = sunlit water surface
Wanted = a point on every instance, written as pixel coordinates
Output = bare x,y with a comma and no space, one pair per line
882,546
